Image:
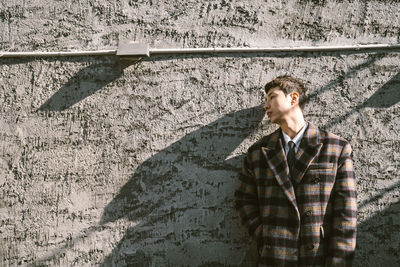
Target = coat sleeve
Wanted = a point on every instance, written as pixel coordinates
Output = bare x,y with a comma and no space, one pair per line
246,200
343,239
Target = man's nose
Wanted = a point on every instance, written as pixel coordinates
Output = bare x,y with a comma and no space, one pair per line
266,106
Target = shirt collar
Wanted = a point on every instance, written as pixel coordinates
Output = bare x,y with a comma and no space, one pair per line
297,138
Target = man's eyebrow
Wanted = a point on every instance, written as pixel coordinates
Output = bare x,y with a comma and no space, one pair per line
269,94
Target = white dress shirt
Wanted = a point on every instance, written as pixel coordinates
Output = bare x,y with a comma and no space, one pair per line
296,139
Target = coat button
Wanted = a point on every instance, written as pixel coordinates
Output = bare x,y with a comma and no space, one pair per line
268,246
310,246
308,213
316,180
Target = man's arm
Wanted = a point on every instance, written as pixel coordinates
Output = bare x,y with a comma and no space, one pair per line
246,200
343,238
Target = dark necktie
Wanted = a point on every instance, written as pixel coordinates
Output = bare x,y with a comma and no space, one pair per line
291,155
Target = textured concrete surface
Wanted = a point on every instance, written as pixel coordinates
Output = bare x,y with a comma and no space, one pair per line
108,162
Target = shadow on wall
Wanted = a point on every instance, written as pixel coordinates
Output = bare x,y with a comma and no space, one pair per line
181,199
98,75
385,97
348,74
378,238
85,83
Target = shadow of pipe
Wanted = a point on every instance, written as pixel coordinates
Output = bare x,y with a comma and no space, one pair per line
85,83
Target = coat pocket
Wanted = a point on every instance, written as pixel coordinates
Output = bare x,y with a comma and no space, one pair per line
323,166
320,173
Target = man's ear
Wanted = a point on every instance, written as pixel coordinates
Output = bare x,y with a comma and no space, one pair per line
295,98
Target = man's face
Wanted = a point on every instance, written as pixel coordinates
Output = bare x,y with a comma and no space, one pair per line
277,105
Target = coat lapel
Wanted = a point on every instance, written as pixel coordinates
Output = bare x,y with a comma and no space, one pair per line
276,159
273,151
309,148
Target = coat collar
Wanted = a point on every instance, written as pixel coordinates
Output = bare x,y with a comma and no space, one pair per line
273,151
310,138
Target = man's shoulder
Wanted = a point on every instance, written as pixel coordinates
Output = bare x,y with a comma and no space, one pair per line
327,137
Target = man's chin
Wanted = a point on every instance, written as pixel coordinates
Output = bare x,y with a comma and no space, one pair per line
275,120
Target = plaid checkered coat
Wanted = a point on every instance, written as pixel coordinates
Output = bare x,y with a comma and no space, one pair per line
306,220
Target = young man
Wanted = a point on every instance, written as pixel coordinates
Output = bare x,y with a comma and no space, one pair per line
296,192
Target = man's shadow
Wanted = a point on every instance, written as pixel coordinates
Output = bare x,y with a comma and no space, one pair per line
180,199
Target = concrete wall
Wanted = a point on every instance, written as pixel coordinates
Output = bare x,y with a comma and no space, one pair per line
108,162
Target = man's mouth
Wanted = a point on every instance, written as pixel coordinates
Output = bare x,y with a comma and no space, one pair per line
269,113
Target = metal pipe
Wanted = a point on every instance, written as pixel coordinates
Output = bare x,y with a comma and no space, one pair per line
215,50
59,54
158,51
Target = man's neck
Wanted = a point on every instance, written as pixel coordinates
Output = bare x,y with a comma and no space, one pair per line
292,126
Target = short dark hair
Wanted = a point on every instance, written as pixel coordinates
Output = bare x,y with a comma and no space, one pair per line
288,84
